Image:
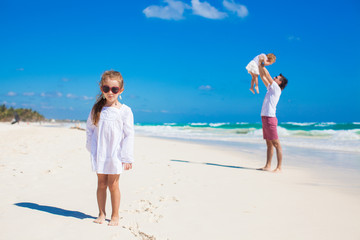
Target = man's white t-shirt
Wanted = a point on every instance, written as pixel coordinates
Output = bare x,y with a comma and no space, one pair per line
271,99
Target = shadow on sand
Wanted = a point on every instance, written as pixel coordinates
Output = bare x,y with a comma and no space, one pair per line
54,210
214,164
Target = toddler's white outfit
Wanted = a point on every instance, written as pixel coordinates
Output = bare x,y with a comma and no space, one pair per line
253,66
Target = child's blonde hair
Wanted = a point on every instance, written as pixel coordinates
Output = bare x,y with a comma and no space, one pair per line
100,101
271,57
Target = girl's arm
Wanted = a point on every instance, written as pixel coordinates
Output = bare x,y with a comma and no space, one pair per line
127,148
267,63
90,127
264,60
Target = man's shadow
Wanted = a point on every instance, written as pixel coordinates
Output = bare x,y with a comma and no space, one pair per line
54,210
214,164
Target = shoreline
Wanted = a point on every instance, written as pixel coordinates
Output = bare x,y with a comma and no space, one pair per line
332,137
260,148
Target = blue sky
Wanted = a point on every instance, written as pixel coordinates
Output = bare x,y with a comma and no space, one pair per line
182,61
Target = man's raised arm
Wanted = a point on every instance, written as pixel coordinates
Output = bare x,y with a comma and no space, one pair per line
265,75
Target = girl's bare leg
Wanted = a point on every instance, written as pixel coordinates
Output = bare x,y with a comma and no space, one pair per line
113,183
256,84
101,197
254,81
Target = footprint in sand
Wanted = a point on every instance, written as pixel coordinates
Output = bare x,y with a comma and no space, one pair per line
155,218
137,233
168,198
145,206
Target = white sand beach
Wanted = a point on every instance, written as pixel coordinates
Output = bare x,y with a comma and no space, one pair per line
176,190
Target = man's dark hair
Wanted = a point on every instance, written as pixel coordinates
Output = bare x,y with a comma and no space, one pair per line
283,83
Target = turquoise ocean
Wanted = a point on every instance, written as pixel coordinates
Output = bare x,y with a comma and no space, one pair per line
311,135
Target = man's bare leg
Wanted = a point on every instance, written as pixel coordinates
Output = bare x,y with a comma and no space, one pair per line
278,148
269,155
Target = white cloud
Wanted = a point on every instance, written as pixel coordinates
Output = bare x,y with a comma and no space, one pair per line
174,10
133,96
69,95
239,9
88,98
47,107
293,38
7,103
145,110
29,94
26,105
205,87
20,69
11,94
51,94
65,79
205,10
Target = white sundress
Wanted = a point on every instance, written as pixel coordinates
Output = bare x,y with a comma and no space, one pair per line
253,66
111,143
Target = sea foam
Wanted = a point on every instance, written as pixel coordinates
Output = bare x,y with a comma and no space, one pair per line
325,135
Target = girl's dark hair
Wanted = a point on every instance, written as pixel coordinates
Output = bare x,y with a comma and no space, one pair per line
101,101
283,83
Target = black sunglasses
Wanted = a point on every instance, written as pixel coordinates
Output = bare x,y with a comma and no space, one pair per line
106,89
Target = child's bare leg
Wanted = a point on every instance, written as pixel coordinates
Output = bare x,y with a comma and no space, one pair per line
113,183
253,76
101,197
256,84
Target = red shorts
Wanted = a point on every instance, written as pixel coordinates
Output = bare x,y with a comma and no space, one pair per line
269,126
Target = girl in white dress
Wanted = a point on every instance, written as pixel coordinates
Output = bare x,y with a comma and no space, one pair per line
110,140
253,68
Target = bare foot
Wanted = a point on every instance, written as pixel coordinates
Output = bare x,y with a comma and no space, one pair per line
100,219
264,169
252,90
277,170
257,89
114,221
